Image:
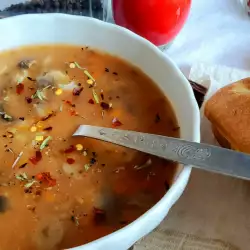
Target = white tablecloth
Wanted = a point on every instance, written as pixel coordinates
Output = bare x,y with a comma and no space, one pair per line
217,31
213,206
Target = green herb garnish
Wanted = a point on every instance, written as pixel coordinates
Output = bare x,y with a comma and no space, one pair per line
75,220
96,98
45,142
85,71
86,167
22,177
7,117
30,184
40,94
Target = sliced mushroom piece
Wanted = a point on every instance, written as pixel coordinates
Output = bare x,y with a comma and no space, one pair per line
49,234
4,204
54,77
44,81
107,207
26,63
6,117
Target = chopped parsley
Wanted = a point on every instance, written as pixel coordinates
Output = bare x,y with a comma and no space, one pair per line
45,142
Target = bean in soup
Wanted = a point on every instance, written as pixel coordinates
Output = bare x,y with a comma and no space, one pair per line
57,191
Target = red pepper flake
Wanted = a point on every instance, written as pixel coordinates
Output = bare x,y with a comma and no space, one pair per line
69,102
47,129
102,96
116,122
35,159
91,101
70,160
77,91
19,88
99,215
28,99
46,177
73,113
71,149
105,105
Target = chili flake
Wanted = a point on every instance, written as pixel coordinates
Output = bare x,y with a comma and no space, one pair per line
116,122
99,215
46,177
77,91
70,103
71,149
105,105
19,88
28,99
70,161
73,113
35,159
91,101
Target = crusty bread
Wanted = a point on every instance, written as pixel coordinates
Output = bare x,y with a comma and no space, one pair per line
229,112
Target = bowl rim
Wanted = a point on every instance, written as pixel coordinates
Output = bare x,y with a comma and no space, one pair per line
181,181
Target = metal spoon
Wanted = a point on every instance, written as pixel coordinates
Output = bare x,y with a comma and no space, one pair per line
199,155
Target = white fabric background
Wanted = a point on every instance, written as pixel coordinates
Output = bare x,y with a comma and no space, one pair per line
213,206
217,31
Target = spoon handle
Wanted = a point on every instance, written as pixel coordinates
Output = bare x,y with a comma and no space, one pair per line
199,155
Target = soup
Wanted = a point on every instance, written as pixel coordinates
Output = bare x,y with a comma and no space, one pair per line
57,191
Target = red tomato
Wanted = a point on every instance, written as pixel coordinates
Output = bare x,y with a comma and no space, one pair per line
159,21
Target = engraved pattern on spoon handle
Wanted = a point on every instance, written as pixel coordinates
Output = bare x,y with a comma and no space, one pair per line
207,157
165,147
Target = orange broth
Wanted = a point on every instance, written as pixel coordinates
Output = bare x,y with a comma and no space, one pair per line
57,191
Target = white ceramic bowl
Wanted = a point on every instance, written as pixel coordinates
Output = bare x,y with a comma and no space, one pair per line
60,28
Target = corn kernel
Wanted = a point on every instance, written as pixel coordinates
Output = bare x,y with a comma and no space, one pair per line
90,81
33,129
72,65
79,147
58,92
39,138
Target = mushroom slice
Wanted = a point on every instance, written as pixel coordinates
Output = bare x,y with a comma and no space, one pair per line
25,63
4,204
